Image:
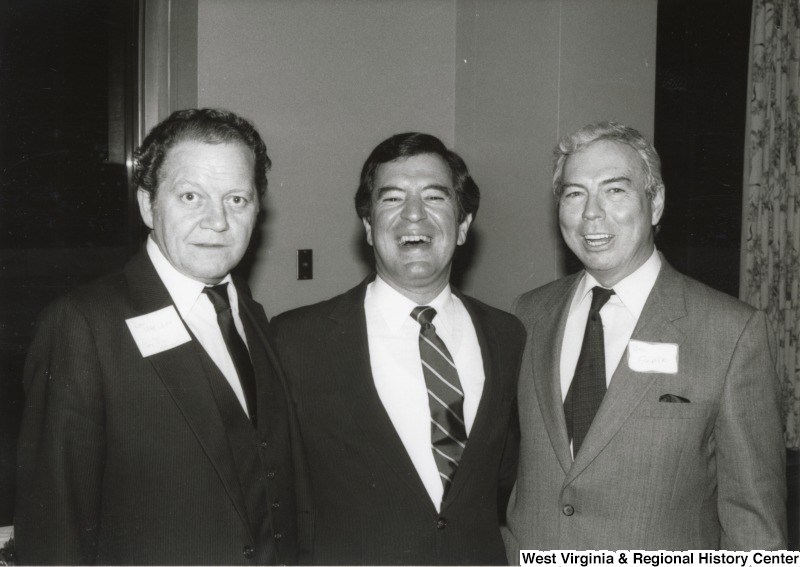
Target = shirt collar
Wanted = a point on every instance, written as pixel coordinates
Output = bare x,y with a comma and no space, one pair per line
183,290
632,290
396,308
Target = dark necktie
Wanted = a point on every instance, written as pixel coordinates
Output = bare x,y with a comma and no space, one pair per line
589,383
218,294
445,397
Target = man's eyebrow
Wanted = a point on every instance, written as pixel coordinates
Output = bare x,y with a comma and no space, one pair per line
444,188
566,184
615,180
609,181
387,188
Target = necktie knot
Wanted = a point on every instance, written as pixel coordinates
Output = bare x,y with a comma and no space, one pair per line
218,295
600,297
424,315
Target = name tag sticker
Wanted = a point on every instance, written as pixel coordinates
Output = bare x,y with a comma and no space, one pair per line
158,331
653,357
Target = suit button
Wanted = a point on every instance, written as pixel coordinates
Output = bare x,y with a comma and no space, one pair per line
278,535
249,551
271,474
568,510
263,444
276,505
441,523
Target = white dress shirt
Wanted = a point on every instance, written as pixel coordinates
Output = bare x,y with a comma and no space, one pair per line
397,370
619,316
198,313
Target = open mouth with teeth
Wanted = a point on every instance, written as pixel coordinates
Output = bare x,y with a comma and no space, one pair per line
597,239
415,240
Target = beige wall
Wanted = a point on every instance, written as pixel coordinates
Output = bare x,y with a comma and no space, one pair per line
529,72
326,80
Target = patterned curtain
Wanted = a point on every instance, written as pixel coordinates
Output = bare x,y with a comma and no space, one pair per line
771,220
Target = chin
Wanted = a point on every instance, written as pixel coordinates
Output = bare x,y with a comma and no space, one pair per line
210,275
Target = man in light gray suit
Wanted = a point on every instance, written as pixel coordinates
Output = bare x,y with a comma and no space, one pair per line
668,435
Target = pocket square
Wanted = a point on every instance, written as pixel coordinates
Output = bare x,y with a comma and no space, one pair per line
673,398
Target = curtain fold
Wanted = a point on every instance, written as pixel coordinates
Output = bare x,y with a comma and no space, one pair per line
771,215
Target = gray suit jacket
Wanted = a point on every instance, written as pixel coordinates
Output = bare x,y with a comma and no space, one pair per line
709,474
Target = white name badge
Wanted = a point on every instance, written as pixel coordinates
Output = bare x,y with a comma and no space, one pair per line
653,357
158,331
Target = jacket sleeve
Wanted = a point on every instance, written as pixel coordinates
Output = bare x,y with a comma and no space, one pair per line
508,466
751,467
61,444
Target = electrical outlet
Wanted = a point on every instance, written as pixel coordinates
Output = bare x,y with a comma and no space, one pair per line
305,264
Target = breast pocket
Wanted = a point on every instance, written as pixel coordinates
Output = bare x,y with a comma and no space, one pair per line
676,442
675,410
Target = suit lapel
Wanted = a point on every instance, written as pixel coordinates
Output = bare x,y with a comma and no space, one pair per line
546,356
180,370
264,357
349,350
627,388
490,340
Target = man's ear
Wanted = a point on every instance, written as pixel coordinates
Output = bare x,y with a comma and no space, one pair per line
463,228
368,229
657,206
145,199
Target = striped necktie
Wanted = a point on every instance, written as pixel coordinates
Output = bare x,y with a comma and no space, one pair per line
589,383
445,397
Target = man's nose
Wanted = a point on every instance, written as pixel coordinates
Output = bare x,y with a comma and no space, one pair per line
215,217
414,209
594,208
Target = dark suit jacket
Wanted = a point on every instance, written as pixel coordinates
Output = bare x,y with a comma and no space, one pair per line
652,474
132,460
370,506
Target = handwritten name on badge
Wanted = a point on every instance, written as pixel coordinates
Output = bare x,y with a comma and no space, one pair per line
653,357
158,331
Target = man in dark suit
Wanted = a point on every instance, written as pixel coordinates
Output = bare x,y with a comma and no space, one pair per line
653,420
157,428
404,387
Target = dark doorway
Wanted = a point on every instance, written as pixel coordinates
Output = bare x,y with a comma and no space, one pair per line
67,86
701,101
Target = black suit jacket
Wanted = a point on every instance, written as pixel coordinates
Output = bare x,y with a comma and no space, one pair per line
369,504
131,460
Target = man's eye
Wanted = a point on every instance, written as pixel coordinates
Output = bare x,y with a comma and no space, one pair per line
189,197
238,201
436,195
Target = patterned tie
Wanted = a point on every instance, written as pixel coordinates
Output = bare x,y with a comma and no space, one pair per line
589,383
445,397
218,294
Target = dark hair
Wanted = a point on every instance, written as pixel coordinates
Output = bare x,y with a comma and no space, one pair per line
207,125
410,144
614,132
